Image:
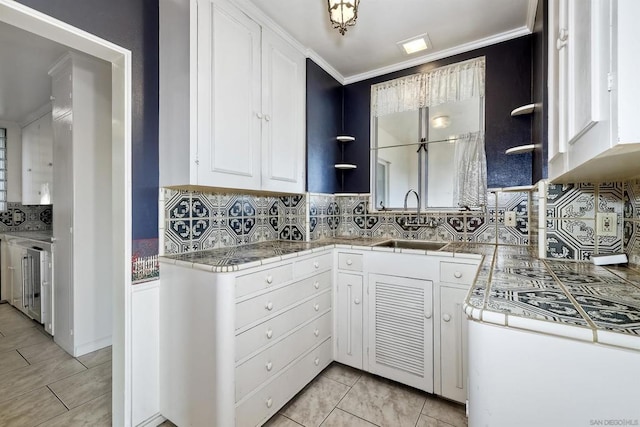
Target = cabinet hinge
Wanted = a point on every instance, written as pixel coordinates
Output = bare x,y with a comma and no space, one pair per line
367,352
609,82
197,161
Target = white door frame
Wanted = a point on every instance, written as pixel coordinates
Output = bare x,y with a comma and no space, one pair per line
45,26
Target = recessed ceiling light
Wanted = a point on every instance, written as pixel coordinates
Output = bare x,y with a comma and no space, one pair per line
415,44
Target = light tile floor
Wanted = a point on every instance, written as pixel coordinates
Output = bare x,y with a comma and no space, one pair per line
41,385
344,397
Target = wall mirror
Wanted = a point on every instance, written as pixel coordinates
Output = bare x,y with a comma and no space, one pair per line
428,136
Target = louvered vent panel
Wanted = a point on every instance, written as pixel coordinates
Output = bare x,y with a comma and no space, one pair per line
400,327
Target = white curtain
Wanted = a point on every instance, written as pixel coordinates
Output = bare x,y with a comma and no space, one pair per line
457,82
470,186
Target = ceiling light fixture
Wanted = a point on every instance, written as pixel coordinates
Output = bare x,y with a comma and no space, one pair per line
343,13
415,44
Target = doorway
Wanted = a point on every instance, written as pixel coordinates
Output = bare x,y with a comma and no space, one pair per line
45,26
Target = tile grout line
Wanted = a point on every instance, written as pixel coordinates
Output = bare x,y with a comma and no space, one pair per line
58,397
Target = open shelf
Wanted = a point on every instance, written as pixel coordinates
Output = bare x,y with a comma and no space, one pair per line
345,166
525,109
345,138
521,149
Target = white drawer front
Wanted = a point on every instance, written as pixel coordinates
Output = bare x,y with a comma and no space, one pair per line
271,330
269,399
264,279
268,363
453,272
349,261
314,264
269,303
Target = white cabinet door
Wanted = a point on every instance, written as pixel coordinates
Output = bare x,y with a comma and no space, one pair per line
37,162
349,320
453,343
283,109
229,97
400,325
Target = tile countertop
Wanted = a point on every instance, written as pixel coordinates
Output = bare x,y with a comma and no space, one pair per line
253,255
513,288
39,236
572,299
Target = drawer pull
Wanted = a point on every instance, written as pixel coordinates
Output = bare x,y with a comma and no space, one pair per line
317,361
269,366
269,279
269,402
349,261
269,333
446,317
356,301
269,306
427,315
316,285
316,332
316,264
316,307
457,274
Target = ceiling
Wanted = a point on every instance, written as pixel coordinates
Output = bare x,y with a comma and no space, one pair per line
369,48
25,60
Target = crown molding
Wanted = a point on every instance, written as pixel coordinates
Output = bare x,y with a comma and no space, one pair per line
487,41
311,54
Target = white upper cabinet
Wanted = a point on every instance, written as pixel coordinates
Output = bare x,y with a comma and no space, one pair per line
237,120
37,161
592,92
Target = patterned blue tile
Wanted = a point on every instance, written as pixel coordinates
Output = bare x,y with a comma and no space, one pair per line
571,201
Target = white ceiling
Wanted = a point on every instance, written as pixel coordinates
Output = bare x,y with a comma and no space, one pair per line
24,61
369,48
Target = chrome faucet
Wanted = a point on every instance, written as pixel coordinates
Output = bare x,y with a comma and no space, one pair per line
406,196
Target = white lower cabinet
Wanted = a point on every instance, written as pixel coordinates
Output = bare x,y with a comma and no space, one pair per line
235,347
400,328
349,318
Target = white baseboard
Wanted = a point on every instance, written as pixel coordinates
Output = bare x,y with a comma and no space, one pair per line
152,421
92,346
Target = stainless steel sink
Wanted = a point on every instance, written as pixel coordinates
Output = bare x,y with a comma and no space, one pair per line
413,244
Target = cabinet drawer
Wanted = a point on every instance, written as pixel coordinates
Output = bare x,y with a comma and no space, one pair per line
271,302
349,261
269,362
260,280
314,264
271,330
453,272
269,399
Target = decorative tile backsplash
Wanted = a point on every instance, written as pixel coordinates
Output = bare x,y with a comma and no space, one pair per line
198,221
631,226
20,217
571,219
349,216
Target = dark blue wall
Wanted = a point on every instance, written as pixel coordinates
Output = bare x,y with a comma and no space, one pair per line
132,24
324,123
508,85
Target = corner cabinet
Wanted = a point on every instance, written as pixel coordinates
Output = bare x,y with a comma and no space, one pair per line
593,132
232,100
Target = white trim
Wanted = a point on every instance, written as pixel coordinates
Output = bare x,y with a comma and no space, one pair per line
311,54
28,19
261,18
35,115
532,9
153,421
487,41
